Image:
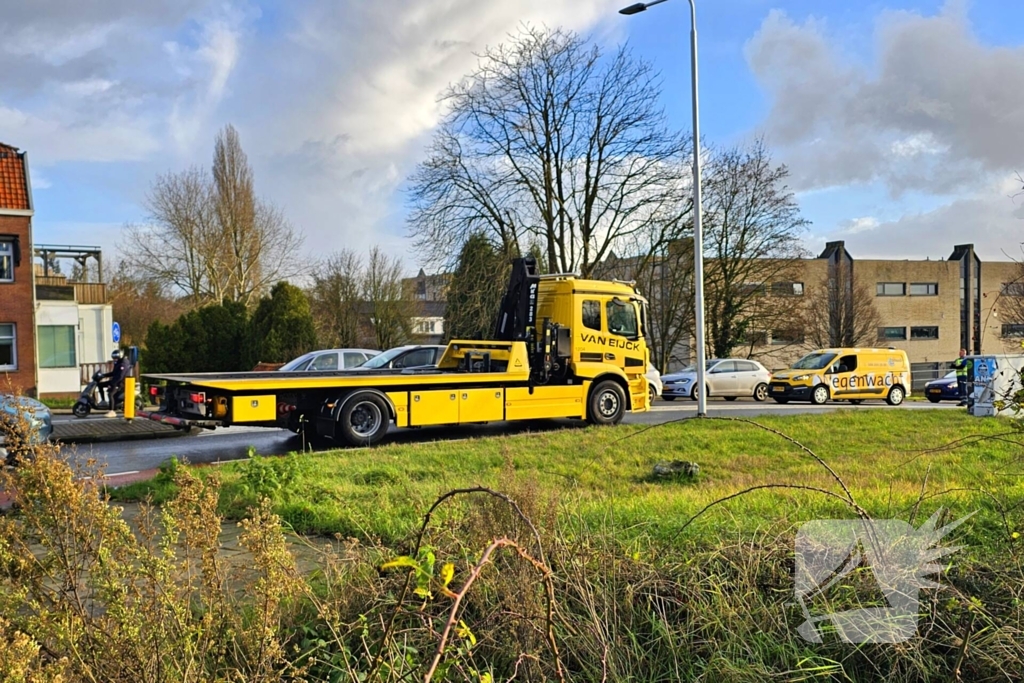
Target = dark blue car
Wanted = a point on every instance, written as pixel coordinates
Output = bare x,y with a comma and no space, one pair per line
942,389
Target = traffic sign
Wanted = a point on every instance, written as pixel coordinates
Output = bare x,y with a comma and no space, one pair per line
117,333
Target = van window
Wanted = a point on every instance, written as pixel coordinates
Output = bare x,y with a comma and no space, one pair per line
845,364
592,314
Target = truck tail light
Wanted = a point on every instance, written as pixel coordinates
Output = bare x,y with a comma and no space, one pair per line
197,398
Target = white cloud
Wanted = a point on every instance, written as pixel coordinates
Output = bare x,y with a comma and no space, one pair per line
989,219
938,111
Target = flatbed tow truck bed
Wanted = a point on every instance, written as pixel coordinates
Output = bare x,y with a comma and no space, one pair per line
533,369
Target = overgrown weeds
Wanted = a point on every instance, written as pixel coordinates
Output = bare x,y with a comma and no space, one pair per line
519,580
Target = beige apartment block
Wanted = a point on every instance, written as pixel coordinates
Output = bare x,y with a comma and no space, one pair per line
929,308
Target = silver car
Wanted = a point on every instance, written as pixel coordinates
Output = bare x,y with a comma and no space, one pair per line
329,359
729,378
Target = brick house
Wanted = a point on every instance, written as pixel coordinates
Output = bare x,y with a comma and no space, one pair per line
17,292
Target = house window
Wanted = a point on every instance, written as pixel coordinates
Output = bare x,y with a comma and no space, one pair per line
788,288
6,261
924,289
56,344
785,337
1013,289
8,347
1013,330
891,289
592,314
891,333
924,332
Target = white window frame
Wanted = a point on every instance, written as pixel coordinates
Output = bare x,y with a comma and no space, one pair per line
14,348
7,253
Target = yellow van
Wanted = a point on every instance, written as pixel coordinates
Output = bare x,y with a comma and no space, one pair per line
844,375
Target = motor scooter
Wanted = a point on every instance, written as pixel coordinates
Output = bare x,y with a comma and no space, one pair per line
93,397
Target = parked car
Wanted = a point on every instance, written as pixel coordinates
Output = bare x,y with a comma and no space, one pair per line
23,413
943,389
414,356
729,378
653,383
329,359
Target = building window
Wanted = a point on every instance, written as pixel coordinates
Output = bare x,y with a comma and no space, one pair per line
753,289
8,347
753,338
1013,289
924,332
56,344
1013,330
891,289
891,333
6,261
924,289
785,337
788,288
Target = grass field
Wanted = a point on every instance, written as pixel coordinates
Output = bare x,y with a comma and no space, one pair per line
892,462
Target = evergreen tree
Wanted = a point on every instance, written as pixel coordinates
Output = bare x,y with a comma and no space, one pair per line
475,291
282,326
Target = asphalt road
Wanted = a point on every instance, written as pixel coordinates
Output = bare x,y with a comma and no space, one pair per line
234,443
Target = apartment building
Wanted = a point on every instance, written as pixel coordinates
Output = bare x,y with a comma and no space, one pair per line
929,308
17,292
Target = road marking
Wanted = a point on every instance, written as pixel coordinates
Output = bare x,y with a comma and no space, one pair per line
121,474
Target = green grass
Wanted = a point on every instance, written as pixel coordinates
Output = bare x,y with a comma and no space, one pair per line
59,402
600,477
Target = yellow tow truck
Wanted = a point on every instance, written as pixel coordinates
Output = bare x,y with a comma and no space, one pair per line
563,347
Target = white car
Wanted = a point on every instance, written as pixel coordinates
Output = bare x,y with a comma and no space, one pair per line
653,383
729,378
329,359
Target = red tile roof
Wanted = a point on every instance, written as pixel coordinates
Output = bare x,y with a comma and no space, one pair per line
13,188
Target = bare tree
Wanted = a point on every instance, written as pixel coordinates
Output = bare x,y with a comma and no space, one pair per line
841,311
752,232
550,141
211,238
336,299
389,306
138,302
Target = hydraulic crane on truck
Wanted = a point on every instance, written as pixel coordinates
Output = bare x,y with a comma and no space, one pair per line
563,347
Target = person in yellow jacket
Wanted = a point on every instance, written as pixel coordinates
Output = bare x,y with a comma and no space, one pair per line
962,365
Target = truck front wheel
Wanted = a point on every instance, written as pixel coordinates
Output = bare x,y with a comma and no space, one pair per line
364,420
607,404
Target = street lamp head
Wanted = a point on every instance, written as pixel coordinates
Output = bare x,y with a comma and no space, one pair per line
633,9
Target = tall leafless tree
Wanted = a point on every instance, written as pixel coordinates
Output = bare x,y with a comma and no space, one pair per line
211,237
336,299
752,231
549,141
390,307
841,311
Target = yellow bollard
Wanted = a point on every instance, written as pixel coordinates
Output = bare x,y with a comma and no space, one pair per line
129,398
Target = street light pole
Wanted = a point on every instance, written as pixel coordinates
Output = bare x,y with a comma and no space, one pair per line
698,232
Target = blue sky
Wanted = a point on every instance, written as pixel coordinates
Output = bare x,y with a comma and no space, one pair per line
902,122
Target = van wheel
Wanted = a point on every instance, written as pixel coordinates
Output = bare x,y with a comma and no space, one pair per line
364,420
607,404
761,392
896,396
820,395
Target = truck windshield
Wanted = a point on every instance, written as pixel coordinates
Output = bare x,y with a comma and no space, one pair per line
814,361
622,319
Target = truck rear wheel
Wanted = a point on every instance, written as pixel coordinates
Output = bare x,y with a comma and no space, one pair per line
896,396
607,404
364,420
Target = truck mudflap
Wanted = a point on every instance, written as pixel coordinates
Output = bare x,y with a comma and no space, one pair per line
179,422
